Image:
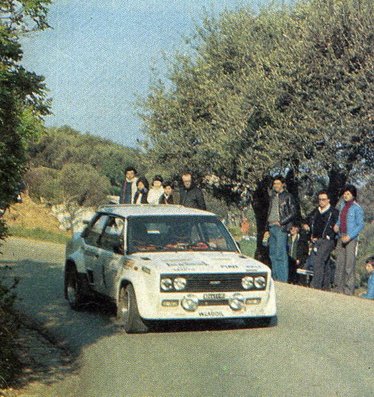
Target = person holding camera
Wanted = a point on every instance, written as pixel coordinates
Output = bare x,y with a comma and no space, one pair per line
320,224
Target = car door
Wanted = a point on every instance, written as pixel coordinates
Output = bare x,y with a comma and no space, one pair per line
92,249
111,259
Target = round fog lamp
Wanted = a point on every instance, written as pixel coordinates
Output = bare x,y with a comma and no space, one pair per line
180,283
166,284
247,282
260,282
236,302
190,303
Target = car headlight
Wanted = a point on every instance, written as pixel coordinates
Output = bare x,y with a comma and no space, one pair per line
180,283
247,282
166,284
260,282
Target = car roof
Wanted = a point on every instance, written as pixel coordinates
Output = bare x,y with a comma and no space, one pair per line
127,210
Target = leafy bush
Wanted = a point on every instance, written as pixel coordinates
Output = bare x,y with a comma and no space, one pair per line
43,183
9,363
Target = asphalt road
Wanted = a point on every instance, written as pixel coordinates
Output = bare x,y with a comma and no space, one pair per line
323,344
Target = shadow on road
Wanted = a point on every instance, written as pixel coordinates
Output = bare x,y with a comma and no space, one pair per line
53,336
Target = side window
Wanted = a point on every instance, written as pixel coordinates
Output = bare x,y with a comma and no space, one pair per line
112,238
92,235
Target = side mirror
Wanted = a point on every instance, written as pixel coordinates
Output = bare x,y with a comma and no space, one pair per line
118,248
238,244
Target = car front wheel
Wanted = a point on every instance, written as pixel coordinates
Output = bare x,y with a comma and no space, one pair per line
73,288
127,311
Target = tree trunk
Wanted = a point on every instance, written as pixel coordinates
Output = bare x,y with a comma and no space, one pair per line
260,205
292,185
337,180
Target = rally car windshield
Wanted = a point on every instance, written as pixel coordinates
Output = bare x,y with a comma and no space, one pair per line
177,233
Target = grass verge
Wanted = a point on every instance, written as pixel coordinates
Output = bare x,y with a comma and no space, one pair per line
248,247
38,234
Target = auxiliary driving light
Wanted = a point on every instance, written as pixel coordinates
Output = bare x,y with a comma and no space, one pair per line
236,302
190,303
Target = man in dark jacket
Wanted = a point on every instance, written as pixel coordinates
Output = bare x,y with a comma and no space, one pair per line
281,214
320,224
191,195
129,187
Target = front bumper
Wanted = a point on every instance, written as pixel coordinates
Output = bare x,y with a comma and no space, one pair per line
171,306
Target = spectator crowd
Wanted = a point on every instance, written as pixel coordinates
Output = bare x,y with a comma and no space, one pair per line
305,248
296,249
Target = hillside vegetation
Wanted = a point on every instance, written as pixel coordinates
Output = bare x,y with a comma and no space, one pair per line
63,151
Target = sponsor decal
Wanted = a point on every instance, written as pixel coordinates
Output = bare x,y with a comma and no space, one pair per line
211,313
252,268
226,266
214,296
180,263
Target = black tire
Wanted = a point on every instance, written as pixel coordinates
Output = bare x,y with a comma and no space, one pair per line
73,288
127,311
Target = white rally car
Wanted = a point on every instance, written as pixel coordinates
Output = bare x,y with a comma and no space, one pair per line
166,262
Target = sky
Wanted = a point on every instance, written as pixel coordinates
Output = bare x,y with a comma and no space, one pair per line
98,56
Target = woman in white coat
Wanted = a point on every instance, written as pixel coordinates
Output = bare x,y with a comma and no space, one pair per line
156,191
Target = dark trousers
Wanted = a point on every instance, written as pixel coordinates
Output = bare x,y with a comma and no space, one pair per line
345,267
293,277
321,263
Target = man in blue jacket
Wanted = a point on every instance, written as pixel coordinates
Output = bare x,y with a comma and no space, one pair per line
349,226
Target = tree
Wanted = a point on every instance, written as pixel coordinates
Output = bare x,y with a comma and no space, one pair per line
22,93
43,185
82,186
288,89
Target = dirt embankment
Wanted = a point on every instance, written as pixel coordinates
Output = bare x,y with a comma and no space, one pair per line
31,215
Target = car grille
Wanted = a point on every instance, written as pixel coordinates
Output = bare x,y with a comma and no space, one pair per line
215,282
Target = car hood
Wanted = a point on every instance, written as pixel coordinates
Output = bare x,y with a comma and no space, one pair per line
205,262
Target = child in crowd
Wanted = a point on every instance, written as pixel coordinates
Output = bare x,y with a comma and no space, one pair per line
370,270
297,252
142,191
167,196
